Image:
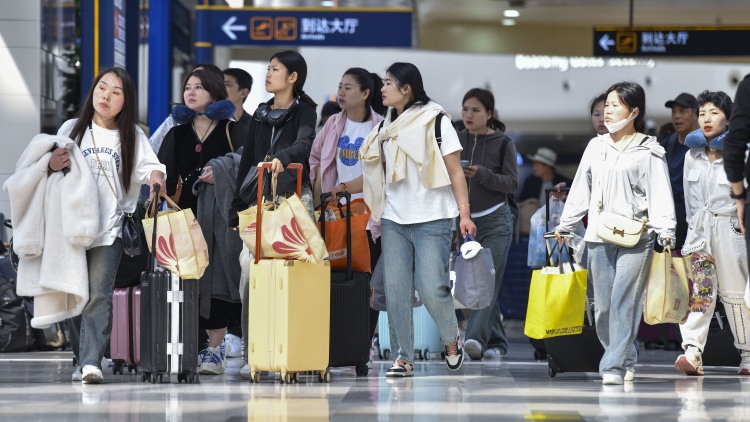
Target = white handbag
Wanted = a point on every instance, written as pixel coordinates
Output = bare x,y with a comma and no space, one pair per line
620,230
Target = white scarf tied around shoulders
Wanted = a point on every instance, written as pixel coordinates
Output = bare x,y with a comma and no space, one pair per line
413,134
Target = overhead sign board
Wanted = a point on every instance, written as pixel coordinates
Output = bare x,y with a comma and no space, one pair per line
308,27
671,41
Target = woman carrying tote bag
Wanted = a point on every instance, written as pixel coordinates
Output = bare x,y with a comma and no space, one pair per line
622,177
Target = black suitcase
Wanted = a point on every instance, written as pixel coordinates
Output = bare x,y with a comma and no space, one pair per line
169,322
350,340
720,350
578,352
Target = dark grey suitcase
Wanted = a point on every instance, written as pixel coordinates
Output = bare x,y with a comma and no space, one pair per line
169,323
350,333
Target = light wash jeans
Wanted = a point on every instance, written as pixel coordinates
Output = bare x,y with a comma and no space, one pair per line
619,275
93,327
416,256
494,231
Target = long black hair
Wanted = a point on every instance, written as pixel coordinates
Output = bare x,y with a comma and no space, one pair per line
371,81
488,101
126,120
632,95
403,74
294,62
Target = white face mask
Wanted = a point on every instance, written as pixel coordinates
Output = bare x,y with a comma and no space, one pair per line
614,127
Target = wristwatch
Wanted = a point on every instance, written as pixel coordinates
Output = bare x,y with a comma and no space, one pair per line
740,196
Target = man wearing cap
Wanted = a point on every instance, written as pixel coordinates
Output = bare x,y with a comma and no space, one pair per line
544,176
684,120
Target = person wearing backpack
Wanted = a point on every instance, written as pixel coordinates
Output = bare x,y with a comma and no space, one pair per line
414,184
489,163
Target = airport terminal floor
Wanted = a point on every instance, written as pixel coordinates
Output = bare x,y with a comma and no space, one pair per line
37,387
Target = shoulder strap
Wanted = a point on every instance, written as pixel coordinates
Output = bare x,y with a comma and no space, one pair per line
229,138
438,130
645,138
671,143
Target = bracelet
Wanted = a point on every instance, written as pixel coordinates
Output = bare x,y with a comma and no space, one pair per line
345,188
50,169
462,205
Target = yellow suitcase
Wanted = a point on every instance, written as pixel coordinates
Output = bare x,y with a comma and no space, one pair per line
289,318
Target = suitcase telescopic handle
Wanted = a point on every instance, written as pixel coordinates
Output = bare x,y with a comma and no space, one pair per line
155,209
259,212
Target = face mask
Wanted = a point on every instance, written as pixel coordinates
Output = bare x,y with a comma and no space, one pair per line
614,127
219,110
696,139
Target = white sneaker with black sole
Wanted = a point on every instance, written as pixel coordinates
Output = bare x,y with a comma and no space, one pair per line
454,355
400,368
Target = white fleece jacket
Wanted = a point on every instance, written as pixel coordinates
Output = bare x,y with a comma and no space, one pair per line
55,218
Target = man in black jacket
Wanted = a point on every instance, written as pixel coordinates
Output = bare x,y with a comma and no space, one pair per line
735,147
544,175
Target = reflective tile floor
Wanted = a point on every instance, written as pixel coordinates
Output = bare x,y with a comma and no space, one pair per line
37,387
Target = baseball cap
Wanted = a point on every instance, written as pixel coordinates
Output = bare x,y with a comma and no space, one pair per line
684,99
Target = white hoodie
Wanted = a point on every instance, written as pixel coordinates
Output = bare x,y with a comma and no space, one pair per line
635,184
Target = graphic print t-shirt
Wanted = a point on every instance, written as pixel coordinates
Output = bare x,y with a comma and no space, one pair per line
348,165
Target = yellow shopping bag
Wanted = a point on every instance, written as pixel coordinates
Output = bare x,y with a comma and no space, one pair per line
557,299
180,245
668,291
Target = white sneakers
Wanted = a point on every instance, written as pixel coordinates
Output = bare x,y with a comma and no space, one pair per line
233,346
473,349
77,375
493,353
691,362
245,372
629,374
612,379
212,362
745,364
91,375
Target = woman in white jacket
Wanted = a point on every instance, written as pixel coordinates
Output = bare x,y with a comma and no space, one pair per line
121,160
714,234
623,172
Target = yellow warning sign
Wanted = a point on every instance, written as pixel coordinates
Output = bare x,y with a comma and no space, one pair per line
627,42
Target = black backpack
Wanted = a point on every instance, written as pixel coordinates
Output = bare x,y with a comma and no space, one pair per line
15,324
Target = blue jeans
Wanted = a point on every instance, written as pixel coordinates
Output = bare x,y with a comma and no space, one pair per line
416,256
494,231
619,276
93,327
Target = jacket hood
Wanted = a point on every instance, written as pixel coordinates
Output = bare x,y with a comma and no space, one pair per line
465,135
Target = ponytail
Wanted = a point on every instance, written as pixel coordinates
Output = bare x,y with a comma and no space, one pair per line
306,99
375,99
496,124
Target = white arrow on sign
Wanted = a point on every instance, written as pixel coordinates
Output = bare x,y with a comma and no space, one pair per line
229,29
605,42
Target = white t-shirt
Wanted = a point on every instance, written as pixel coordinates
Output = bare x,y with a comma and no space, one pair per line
108,150
348,165
408,202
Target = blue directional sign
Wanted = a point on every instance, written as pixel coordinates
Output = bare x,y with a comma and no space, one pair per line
304,27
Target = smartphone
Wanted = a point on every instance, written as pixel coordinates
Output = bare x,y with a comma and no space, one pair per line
465,163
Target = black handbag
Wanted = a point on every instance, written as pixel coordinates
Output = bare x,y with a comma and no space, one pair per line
132,236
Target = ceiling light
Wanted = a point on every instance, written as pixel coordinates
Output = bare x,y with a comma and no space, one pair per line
509,22
326,3
511,13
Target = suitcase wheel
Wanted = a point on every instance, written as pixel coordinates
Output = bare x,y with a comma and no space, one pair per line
117,369
156,377
540,355
255,377
426,354
362,370
551,372
132,368
324,376
288,378
386,354
145,376
296,377
420,356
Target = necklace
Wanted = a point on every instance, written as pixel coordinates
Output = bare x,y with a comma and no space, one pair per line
199,147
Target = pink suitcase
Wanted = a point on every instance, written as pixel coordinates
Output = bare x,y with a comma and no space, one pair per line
125,342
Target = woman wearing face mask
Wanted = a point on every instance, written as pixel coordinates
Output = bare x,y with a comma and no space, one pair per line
713,229
491,174
415,187
626,172
200,136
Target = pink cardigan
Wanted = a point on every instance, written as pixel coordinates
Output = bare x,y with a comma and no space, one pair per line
323,155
